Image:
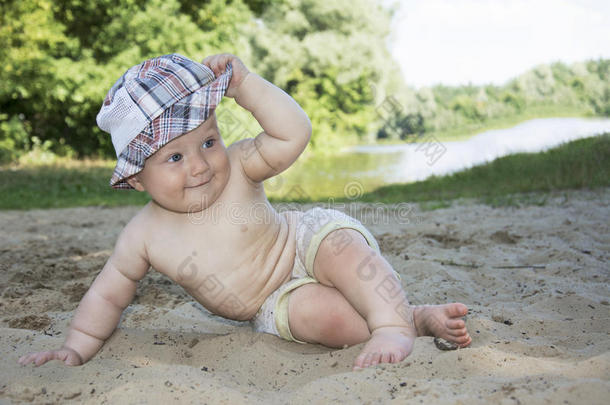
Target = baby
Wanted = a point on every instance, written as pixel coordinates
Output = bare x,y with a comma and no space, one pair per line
309,277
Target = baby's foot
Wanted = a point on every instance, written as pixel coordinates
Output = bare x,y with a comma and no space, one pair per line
442,321
391,344
388,344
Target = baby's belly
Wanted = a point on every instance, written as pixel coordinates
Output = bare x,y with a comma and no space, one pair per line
239,292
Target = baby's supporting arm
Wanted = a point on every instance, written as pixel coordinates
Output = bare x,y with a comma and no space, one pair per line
286,126
100,310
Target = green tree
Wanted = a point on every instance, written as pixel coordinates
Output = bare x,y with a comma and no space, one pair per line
30,39
62,56
328,55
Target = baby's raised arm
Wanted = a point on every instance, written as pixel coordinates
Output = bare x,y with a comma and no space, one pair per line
100,310
287,128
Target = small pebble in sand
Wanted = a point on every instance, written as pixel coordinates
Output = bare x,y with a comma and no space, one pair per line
442,344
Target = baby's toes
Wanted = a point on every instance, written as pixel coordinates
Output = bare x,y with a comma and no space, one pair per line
400,356
376,359
368,360
455,324
359,362
457,332
456,310
386,357
462,341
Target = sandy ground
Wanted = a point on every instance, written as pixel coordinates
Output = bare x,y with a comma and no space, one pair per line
536,279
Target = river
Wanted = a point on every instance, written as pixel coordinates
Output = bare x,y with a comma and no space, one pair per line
363,168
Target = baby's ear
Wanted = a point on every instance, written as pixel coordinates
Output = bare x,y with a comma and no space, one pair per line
134,182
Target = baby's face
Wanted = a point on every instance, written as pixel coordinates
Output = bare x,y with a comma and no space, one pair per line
189,173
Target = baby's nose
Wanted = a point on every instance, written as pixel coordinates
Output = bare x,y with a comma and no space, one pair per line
198,165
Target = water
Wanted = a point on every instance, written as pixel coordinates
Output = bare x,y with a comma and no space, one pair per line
364,168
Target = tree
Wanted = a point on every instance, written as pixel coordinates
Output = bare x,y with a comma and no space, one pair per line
62,56
327,55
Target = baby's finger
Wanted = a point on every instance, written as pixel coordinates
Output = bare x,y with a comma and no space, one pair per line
43,357
25,359
28,358
208,62
217,63
213,63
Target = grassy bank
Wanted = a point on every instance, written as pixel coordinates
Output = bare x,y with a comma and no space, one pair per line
66,184
584,163
579,164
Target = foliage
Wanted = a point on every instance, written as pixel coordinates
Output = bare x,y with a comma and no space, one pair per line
60,57
327,55
583,88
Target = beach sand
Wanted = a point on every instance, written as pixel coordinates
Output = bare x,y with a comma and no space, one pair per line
536,280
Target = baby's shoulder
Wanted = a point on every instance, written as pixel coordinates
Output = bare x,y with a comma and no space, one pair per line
235,152
132,238
129,254
239,152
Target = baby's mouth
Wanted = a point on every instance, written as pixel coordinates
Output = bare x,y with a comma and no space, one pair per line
200,184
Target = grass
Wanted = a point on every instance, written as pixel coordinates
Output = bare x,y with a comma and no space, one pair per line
584,163
67,184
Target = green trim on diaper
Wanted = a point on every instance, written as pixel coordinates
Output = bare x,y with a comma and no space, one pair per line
316,240
280,312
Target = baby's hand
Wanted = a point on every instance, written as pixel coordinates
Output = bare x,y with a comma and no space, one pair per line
65,354
218,64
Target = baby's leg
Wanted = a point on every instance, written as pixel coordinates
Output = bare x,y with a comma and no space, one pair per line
322,315
366,280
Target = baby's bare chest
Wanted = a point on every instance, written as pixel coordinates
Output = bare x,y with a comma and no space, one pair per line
226,260
187,252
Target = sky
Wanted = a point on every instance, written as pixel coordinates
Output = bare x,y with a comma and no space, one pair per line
491,41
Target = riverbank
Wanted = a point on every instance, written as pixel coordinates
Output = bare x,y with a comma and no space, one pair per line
583,163
511,180
535,280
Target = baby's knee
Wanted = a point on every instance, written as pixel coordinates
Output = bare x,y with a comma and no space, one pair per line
340,248
345,241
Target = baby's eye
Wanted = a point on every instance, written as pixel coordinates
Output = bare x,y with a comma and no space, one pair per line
175,157
209,145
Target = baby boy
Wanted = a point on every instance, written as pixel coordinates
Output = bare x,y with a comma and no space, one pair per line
309,277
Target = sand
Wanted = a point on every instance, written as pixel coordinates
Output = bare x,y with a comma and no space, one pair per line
534,277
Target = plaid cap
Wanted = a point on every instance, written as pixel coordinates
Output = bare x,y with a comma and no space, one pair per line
155,102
